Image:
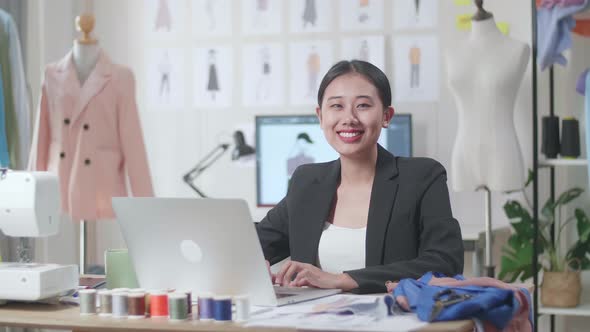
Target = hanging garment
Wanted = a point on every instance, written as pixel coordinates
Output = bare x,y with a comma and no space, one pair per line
90,135
555,29
20,96
501,306
4,157
12,132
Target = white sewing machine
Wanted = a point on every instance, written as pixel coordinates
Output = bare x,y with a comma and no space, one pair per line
30,207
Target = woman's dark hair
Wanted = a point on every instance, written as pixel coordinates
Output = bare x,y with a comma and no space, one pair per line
366,69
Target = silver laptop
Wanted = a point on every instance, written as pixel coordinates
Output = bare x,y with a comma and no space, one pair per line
203,245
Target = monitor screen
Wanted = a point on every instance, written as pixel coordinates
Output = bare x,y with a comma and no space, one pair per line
285,142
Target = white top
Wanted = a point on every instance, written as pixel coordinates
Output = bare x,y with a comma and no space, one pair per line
341,248
485,72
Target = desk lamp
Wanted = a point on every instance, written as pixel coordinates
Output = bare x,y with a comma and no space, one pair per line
30,207
240,150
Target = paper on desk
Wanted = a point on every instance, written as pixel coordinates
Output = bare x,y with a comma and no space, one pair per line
338,312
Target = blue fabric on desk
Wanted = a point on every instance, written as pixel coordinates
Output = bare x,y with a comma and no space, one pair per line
494,305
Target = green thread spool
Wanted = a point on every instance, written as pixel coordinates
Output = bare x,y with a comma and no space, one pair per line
177,306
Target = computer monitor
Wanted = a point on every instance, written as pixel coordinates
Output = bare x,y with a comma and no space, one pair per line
284,142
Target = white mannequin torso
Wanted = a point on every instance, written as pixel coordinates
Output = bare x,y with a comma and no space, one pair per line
85,58
485,73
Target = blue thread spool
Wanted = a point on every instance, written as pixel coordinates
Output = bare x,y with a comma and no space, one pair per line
222,308
205,307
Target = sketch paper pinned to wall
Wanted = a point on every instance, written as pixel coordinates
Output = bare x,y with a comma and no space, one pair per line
261,17
366,48
165,70
309,62
213,77
416,68
361,15
264,75
212,17
310,16
164,18
415,14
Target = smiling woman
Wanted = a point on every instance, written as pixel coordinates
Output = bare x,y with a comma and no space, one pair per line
369,216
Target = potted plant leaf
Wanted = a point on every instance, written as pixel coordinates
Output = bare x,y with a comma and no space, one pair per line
561,286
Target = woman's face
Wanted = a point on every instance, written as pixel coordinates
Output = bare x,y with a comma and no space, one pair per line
352,115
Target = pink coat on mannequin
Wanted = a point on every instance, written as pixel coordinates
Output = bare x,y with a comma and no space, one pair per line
90,135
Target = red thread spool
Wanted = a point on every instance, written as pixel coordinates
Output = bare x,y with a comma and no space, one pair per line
159,304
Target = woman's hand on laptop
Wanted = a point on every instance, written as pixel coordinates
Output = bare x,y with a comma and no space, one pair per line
272,275
297,274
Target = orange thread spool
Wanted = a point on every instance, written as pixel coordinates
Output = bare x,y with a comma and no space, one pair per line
159,304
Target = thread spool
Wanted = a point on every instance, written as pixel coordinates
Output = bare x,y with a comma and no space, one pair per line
87,301
120,309
242,305
222,308
105,298
146,301
550,136
136,305
205,302
159,303
177,306
570,138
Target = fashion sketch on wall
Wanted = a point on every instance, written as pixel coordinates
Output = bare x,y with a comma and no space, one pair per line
370,48
212,77
212,80
212,17
359,15
165,70
264,74
164,17
415,14
310,16
261,17
309,62
416,64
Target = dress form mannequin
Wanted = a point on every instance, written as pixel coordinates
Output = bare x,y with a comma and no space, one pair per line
485,72
86,50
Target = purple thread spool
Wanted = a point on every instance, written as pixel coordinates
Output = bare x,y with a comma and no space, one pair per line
222,308
205,307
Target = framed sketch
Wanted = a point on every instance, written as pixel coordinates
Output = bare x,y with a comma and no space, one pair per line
263,74
361,15
309,61
165,70
370,48
213,77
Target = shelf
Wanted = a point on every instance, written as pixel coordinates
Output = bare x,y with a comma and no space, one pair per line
563,162
581,310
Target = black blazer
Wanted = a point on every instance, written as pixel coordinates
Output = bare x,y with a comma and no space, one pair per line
410,227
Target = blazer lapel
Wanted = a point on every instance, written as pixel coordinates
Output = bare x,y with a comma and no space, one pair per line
383,196
94,84
318,203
